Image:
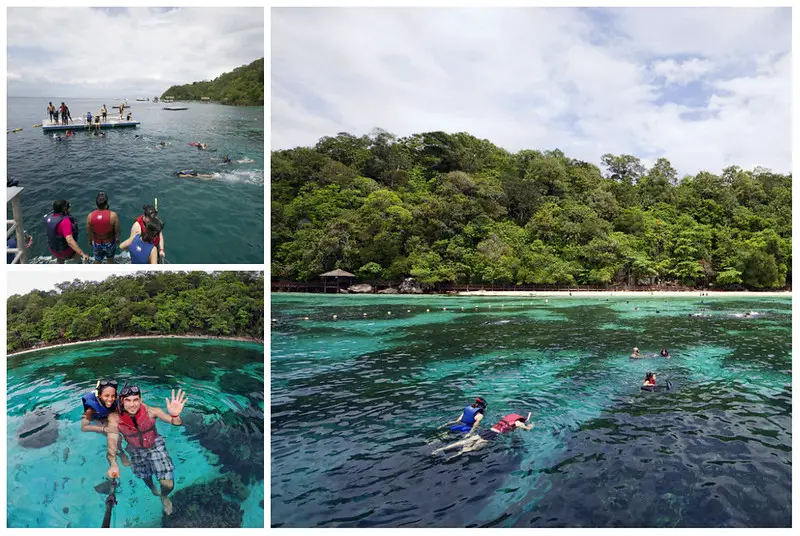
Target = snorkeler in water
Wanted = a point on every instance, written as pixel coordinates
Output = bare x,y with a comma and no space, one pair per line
507,424
470,418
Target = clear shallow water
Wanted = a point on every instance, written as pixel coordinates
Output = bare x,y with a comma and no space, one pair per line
356,402
207,221
51,477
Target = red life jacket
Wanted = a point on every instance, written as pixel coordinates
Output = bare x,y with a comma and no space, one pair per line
102,230
507,423
141,435
143,226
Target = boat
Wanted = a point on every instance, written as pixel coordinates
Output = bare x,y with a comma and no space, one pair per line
175,108
142,100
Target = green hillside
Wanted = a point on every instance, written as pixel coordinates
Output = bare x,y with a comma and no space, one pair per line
244,86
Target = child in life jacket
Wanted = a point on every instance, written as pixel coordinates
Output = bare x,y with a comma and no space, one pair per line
506,425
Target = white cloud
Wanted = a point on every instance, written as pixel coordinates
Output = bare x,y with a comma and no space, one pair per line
140,52
680,73
543,79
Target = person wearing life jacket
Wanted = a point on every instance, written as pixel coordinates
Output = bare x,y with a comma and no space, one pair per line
149,213
649,382
98,406
507,424
470,418
102,228
62,232
147,449
141,247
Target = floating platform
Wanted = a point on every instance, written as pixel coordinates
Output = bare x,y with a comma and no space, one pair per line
175,108
80,124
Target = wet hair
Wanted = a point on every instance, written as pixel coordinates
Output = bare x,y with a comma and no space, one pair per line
664,351
149,211
152,229
61,206
101,200
479,403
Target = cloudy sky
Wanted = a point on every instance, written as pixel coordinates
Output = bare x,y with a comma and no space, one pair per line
703,87
126,52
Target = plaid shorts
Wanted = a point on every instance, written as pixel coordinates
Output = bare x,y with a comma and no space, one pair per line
152,461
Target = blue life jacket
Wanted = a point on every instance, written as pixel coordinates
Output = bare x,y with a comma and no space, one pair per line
469,414
58,243
140,250
90,401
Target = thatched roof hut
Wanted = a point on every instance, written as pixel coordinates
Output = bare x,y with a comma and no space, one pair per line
338,274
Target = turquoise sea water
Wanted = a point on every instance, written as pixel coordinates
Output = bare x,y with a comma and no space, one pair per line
356,403
207,221
218,453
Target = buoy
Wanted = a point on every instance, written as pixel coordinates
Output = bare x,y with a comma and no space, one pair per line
462,308
274,320
444,308
427,310
305,318
365,314
334,317
388,312
490,307
408,311
546,301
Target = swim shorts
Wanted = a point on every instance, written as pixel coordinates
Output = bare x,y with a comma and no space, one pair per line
152,461
104,251
487,435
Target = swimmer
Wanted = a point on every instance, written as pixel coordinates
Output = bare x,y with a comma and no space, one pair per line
649,380
226,159
191,174
470,418
507,424
665,353
635,354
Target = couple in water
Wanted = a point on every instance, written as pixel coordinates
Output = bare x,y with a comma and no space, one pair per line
110,413
476,438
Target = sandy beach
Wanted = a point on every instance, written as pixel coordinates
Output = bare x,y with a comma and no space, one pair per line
125,338
627,294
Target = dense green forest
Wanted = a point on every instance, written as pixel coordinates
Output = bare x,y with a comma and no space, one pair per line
229,304
451,208
244,86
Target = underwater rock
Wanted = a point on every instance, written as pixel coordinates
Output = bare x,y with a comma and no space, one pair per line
237,439
39,429
215,505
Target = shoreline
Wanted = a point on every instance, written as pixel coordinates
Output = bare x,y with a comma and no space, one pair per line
567,294
131,337
629,293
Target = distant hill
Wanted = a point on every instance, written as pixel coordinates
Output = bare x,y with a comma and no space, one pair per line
244,87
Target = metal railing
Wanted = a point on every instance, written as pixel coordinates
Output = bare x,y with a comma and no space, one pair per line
14,226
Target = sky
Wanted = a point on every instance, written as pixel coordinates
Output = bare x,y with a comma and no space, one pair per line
44,277
705,88
22,282
120,52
